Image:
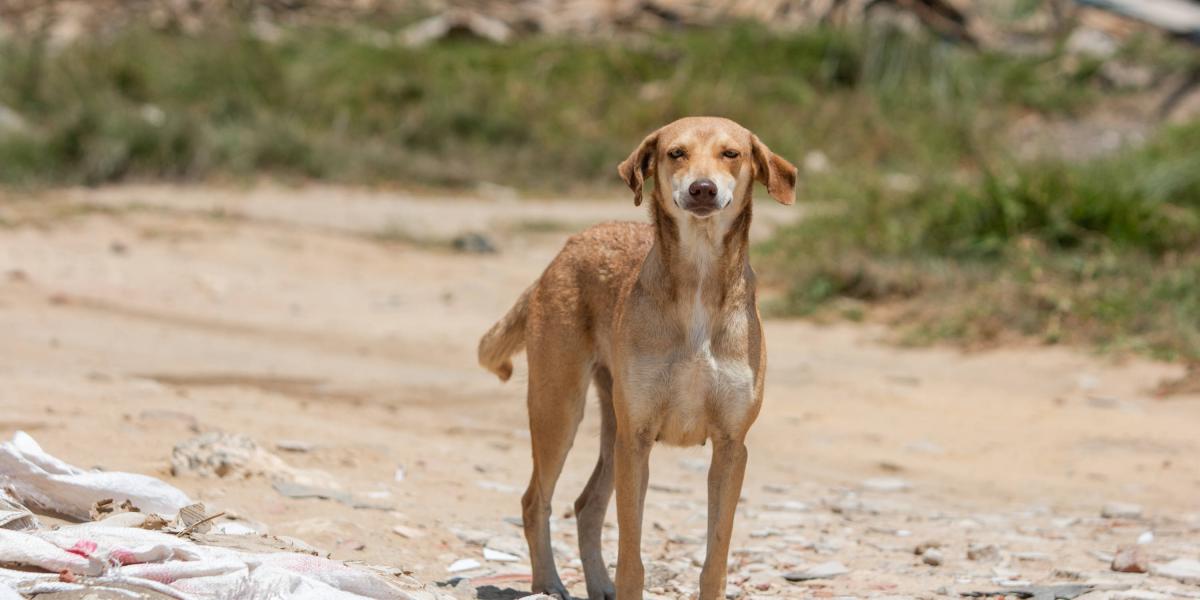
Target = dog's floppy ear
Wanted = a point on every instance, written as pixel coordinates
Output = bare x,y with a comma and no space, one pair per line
774,172
639,165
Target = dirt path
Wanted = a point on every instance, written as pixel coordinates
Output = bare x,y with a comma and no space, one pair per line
133,318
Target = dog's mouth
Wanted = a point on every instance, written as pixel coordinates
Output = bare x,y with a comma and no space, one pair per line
702,210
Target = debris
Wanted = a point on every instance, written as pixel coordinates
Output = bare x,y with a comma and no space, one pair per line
464,564
457,22
886,484
293,489
1185,570
1121,510
983,552
408,532
219,454
474,243
1038,592
498,556
1176,16
121,556
824,570
13,515
297,446
39,480
1130,559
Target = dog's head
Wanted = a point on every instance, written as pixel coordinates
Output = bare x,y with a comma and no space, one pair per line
703,165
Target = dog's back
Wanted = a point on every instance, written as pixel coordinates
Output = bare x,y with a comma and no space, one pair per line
576,295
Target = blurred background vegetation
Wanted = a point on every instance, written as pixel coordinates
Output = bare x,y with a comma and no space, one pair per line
1042,183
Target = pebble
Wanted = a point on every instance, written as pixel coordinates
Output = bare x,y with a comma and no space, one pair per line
1121,510
983,552
932,557
824,570
1130,559
1185,570
1146,537
408,532
886,484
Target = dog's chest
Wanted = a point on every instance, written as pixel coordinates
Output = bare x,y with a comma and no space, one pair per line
695,387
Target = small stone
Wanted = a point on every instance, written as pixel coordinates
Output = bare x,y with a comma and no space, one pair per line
1185,570
824,570
1031,556
924,547
408,532
732,592
474,243
1146,537
886,484
932,557
983,552
1130,559
1121,510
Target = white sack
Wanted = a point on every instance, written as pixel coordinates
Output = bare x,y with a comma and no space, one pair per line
44,482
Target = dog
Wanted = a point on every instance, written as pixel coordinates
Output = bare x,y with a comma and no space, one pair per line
663,319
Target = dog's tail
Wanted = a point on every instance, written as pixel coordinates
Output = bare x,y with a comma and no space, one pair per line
505,338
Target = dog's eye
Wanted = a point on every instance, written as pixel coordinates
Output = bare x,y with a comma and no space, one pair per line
731,154
676,153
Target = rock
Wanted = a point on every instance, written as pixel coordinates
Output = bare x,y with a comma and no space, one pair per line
732,592
787,506
924,547
1091,42
983,552
824,570
474,243
886,484
508,544
298,446
1185,570
1130,559
409,533
1146,537
1138,595
11,121
1121,510
932,557
1031,556
474,537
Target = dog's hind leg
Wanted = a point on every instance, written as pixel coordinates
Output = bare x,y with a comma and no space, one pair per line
592,504
558,380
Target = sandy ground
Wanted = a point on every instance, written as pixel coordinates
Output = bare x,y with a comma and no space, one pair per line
133,318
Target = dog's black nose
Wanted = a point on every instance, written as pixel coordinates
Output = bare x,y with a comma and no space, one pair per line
703,189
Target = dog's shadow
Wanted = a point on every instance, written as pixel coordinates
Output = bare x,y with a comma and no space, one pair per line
491,592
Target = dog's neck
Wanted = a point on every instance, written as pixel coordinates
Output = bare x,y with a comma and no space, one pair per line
699,256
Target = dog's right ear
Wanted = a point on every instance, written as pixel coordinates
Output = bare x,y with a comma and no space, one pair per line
640,165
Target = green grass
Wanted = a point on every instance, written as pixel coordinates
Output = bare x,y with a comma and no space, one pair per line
338,103
1104,253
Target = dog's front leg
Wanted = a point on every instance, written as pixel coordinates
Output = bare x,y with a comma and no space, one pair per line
724,488
632,452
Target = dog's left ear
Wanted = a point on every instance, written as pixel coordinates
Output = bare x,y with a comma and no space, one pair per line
640,165
774,172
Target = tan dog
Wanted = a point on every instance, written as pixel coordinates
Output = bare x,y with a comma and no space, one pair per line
663,319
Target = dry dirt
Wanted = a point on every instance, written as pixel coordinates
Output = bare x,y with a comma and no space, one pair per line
134,317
